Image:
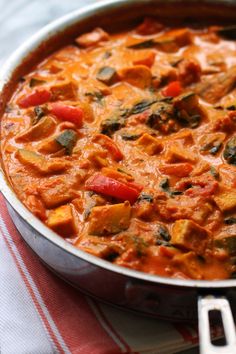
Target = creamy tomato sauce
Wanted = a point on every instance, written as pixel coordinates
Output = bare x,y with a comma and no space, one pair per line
124,144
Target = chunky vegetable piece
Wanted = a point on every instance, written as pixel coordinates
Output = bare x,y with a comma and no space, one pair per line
173,89
69,113
66,90
150,144
113,188
138,75
67,140
92,38
109,219
61,220
189,235
125,145
41,130
178,170
107,75
230,151
226,199
40,163
110,145
35,98
212,90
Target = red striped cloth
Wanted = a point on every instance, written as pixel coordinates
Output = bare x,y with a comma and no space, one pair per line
72,322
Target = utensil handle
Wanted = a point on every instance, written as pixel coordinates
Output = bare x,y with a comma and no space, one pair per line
221,304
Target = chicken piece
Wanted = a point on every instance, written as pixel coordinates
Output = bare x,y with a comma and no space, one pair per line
177,170
181,36
98,158
214,88
109,219
225,123
96,246
57,190
144,210
169,42
88,115
95,90
189,264
150,144
62,220
91,38
189,235
227,174
189,71
188,109
202,212
49,146
36,206
173,40
201,167
42,129
211,143
177,153
66,90
138,75
146,59
119,174
108,144
226,199
228,243
184,134
40,163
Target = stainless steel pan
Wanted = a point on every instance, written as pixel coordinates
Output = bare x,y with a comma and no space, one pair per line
170,299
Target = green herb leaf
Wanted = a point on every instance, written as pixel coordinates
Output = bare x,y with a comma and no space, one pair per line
230,220
165,185
142,106
39,112
214,173
164,233
145,197
130,136
110,125
150,43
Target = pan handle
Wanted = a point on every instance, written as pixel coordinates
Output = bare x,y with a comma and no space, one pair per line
221,304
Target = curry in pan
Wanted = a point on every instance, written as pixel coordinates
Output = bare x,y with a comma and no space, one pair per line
124,144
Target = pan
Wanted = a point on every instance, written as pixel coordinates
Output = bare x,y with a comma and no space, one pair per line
152,295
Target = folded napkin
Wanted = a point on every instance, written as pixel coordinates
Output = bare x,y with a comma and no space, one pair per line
41,314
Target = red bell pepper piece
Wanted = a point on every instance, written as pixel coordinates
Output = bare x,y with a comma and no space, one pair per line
35,98
173,89
110,145
111,187
204,186
68,113
136,186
